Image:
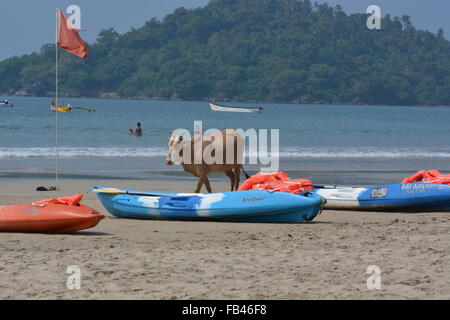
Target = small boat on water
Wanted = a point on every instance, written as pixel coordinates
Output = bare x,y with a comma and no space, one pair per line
216,107
235,206
6,103
402,197
67,108
62,109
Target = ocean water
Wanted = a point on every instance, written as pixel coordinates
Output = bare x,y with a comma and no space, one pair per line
315,140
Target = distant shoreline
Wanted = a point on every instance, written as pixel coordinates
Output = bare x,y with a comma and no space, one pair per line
141,98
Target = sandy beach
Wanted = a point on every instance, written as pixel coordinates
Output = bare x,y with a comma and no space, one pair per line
132,259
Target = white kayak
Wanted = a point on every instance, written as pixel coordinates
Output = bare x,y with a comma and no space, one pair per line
400,197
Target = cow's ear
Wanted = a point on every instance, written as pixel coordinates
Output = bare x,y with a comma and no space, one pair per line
180,138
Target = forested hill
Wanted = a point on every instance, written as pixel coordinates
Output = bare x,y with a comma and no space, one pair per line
265,50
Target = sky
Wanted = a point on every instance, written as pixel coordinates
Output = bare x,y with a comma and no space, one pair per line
26,25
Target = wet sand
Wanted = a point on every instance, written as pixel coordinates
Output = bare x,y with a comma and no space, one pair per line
133,259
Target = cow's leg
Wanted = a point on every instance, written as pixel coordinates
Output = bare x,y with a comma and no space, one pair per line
199,184
208,186
203,179
230,174
237,178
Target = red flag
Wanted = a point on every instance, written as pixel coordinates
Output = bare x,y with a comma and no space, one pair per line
68,37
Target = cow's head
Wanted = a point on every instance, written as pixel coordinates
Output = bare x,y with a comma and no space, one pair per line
174,144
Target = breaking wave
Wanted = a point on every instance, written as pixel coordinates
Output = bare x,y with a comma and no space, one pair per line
291,152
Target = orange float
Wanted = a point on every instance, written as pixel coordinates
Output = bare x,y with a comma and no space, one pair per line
278,181
60,215
431,176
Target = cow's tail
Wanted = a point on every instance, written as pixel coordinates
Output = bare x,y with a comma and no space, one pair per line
245,173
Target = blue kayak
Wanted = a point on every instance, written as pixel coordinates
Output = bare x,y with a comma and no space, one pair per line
402,197
238,206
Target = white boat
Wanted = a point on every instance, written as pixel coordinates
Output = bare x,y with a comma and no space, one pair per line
216,107
400,197
6,103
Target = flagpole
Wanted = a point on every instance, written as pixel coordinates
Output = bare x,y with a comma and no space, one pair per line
67,38
56,103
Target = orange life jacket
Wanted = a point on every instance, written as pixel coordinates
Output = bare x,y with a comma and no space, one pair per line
431,176
278,181
70,200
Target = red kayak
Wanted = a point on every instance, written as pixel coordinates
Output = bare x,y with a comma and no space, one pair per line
51,216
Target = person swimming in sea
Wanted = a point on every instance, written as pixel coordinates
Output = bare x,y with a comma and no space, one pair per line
137,132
